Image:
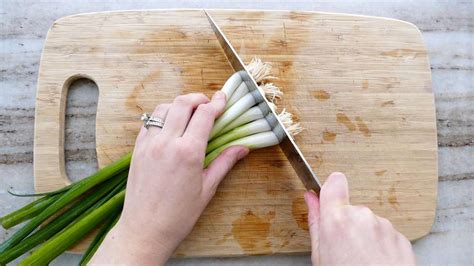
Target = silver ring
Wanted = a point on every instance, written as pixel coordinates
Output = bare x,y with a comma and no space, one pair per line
152,121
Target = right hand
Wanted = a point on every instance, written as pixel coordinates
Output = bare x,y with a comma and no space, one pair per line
343,234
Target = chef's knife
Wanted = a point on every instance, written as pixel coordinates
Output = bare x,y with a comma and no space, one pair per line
289,147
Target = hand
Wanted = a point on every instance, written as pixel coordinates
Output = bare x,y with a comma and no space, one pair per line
343,234
167,187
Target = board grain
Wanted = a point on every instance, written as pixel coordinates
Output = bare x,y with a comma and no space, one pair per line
361,86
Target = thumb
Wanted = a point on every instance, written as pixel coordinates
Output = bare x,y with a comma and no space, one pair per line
335,192
219,168
313,221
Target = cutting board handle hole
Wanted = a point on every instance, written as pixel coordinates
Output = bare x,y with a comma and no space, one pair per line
79,127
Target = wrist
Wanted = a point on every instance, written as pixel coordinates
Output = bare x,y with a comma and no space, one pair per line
144,244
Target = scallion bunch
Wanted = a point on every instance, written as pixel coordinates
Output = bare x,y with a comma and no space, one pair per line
59,219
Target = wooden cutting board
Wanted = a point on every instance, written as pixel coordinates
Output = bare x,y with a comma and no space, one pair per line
361,87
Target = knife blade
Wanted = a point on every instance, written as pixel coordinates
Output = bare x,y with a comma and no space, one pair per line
288,145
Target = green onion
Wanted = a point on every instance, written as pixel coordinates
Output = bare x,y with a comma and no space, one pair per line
256,141
74,192
27,212
50,193
252,114
99,238
238,93
73,233
233,112
257,126
107,189
231,84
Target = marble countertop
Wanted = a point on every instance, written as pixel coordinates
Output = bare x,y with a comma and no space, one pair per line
447,28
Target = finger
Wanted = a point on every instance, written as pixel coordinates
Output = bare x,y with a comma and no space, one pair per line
219,168
141,135
203,118
180,112
335,192
313,221
160,112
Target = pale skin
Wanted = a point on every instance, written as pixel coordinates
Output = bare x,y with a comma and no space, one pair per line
168,190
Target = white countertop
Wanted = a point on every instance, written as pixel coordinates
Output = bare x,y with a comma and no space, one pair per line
447,28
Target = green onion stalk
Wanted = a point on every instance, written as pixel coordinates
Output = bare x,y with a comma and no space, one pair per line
74,232
67,197
27,212
99,238
96,198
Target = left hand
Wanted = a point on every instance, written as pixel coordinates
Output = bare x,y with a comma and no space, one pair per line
167,187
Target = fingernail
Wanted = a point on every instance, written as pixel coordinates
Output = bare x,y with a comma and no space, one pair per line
242,153
337,175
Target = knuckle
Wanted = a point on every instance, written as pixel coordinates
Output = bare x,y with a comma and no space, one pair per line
362,210
156,151
187,142
206,109
158,108
358,215
201,95
230,157
182,100
186,150
183,148
190,99
368,217
339,218
385,223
